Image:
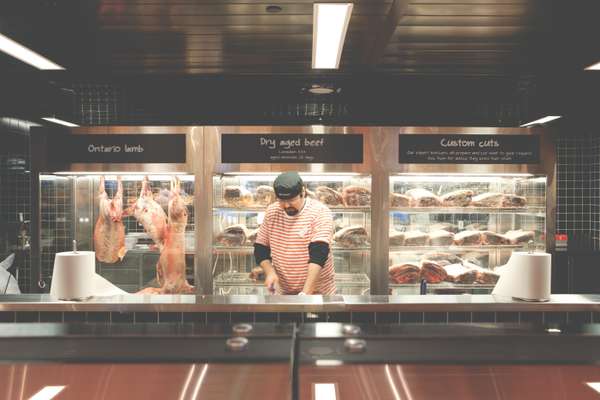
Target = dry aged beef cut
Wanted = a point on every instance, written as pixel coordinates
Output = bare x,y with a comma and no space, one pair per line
512,200
493,239
257,274
486,277
351,237
264,195
356,196
443,226
399,200
458,273
441,258
433,272
415,238
396,238
476,259
467,238
441,238
520,236
488,200
237,196
457,198
423,198
328,196
234,235
404,273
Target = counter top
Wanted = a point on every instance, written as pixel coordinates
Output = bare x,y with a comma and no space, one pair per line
200,303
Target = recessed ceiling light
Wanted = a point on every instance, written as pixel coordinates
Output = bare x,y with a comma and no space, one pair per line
26,55
330,23
47,393
594,67
60,122
273,9
542,120
318,89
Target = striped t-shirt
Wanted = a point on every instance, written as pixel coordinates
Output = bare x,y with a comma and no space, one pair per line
289,237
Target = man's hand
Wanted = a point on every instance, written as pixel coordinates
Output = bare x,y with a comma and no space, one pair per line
310,285
272,282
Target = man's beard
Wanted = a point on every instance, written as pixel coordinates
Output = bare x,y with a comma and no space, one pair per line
291,211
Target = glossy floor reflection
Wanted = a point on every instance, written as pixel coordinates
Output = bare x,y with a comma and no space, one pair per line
451,382
147,381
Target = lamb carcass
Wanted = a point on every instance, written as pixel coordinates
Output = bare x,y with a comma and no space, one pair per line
109,232
150,214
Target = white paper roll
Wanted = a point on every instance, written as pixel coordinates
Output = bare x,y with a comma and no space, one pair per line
73,275
526,276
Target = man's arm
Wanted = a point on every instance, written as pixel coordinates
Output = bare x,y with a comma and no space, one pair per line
318,253
262,255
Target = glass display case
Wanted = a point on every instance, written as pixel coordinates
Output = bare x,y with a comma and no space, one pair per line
239,203
456,231
141,227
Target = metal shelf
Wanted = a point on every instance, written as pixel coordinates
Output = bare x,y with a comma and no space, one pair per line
250,249
454,248
336,209
538,211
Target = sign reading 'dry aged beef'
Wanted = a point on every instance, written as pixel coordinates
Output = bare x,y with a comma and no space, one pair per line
291,148
116,148
469,149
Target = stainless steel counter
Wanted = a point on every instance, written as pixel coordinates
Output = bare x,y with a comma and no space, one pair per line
315,304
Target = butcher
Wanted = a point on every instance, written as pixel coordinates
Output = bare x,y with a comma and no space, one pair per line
293,242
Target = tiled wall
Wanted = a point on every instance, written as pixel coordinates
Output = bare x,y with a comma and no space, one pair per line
351,317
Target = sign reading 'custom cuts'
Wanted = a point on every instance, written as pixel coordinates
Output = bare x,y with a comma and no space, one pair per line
291,148
469,149
116,148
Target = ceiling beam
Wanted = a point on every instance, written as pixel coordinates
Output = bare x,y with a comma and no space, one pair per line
375,45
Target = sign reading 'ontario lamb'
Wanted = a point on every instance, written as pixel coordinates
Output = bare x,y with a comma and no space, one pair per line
469,149
291,148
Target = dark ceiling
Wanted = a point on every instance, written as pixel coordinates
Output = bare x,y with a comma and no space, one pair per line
434,51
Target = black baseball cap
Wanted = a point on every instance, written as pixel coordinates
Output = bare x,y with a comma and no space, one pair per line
288,185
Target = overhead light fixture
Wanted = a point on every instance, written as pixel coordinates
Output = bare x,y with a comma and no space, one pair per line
26,55
542,120
60,121
330,23
594,67
47,393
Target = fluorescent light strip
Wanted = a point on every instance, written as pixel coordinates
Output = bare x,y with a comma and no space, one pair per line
594,67
325,391
26,55
47,393
60,121
542,120
330,23
594,385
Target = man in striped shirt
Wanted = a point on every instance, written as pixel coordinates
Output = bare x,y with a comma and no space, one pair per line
292,245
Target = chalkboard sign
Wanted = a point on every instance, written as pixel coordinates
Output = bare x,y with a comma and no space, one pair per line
116,148
294,148
469,149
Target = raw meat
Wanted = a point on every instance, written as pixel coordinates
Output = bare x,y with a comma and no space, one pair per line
445,226
150,214
404,273
329,196
356,196
396,238
351,237
432,272
237,196
520,236
257,274
493,238
442,258
458,273
415,238
423,198
251,238
264,195
486,277
477,259
476,226
488,200
458,198
441,238
399,200
109,232
467,238
170,270
234,235
512,200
